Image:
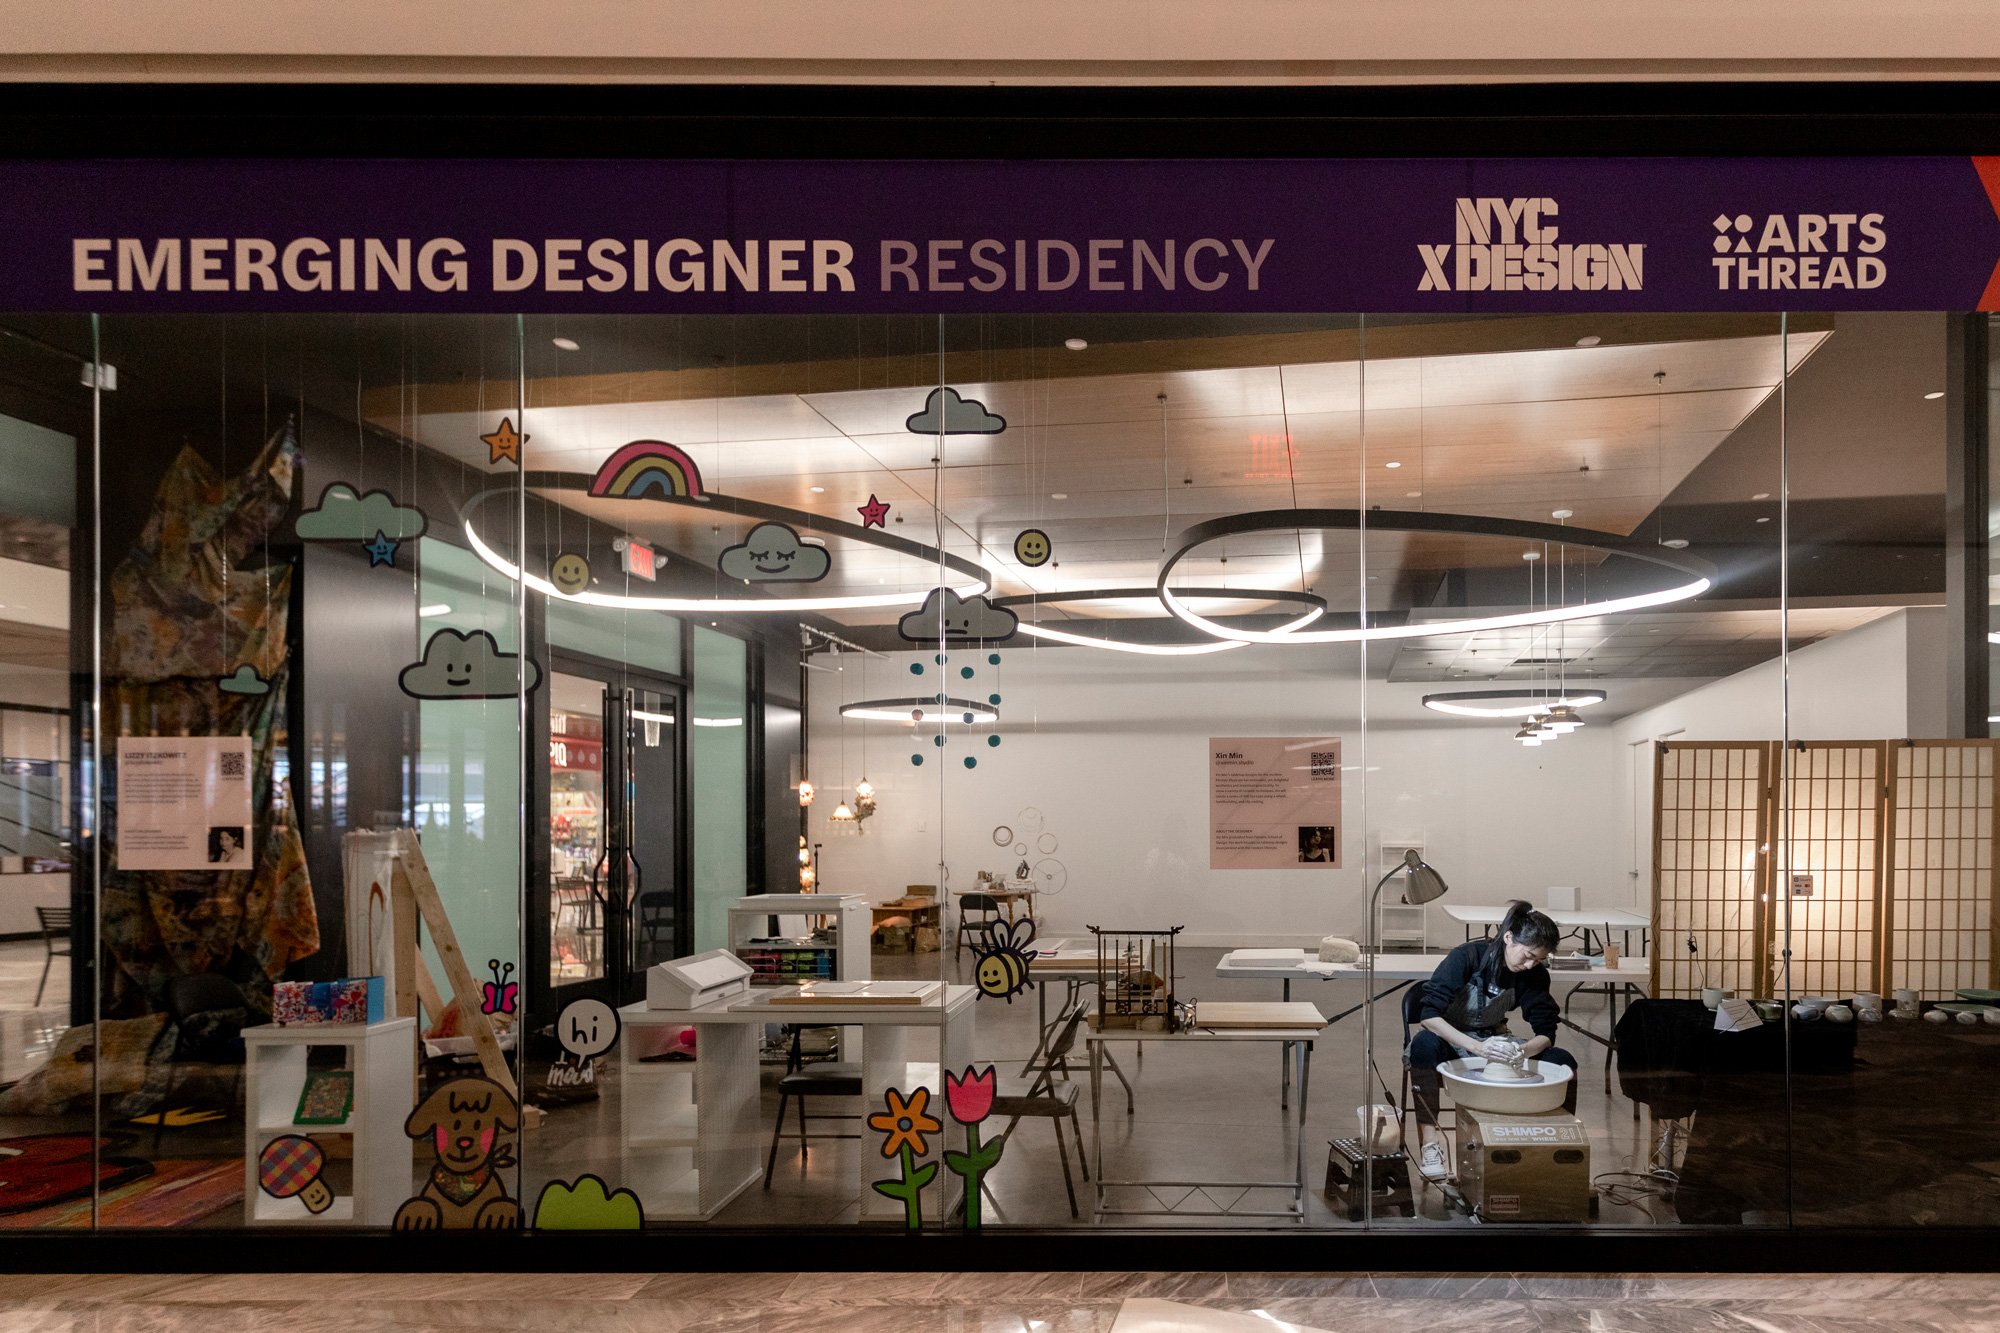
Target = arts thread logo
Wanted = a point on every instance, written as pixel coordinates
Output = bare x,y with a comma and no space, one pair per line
1803,252
1514,245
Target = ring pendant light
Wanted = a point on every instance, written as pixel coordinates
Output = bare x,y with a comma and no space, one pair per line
1496,703
1700,572
979,579
1315,607
919,710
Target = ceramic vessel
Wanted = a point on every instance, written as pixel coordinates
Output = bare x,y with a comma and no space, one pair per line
1936,1016
1839,1013
1463,1081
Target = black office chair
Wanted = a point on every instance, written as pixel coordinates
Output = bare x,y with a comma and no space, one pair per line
1044,1097
988,908
802,1081
55,942
209,1013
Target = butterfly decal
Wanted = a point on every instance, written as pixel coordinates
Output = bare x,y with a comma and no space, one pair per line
500,996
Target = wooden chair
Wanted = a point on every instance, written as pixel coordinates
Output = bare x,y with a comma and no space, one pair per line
1043,1096
988,909
55,942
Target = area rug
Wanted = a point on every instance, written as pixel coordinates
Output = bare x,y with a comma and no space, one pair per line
179,1191
41,1170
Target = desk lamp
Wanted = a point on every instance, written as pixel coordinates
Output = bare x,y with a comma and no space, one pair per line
1424,885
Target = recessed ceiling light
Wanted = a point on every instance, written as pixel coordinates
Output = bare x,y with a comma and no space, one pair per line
1675,543
817,490
567,344
1531,555
1562,513
1075,344
1413,495
1761,495
1058,495
1933,395
1589,340
1765,519
1392,465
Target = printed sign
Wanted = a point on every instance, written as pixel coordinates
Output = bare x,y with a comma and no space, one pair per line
184,803
1274,803
1431,235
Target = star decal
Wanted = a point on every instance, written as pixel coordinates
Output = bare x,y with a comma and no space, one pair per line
506,442
381,551
874,514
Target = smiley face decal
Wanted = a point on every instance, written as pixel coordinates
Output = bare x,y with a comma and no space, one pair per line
1033,547
773,553
570,573
457,665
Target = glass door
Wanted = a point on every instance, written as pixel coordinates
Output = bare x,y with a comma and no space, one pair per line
615,896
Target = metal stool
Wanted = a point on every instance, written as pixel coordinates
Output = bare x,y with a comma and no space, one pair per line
1345,1173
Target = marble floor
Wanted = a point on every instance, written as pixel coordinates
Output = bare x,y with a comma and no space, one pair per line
1000,1303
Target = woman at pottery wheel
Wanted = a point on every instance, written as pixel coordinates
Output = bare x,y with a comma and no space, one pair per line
1464,1008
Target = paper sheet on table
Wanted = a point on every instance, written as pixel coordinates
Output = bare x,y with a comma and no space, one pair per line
1736,1016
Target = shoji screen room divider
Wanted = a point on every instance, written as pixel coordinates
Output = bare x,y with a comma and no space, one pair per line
1885,862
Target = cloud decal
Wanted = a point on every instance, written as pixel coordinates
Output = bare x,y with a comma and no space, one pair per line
244,680
945,413
342,515
465,666
964,620
773,553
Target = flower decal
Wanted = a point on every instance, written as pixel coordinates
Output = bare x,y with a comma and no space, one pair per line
970,1096
905,1122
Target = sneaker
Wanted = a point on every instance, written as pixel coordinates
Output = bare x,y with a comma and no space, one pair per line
1432,1163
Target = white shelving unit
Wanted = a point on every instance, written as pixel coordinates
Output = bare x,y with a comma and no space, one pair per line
676,1174
383,1057
846,914
1400,926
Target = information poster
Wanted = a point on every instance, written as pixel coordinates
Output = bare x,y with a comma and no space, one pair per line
1274,803
184,803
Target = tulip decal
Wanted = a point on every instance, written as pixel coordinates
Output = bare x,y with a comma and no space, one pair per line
970,1097
905,1123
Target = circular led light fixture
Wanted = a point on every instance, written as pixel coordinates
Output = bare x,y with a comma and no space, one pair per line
1510,703
979,579
1699,573
1315,607
929,709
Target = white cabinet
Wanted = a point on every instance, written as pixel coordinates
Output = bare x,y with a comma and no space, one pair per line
679,1169
819,935
369,1159
1399,926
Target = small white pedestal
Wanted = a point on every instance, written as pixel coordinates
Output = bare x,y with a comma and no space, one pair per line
383,1057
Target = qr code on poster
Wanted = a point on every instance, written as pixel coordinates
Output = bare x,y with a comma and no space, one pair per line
1325,763
234,763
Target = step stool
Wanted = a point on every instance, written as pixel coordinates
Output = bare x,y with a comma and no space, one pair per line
1344,1176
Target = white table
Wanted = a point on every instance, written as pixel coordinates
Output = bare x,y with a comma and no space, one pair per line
1604,919
693,1138
1403,969
1294,1027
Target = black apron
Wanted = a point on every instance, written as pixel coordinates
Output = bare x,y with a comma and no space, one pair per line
1472,1013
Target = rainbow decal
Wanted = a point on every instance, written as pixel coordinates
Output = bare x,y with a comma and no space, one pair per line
645,466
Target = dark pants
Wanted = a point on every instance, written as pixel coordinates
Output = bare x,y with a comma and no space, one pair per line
1427,1051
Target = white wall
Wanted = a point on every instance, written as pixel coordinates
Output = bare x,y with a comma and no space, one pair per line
1881,680
1113,751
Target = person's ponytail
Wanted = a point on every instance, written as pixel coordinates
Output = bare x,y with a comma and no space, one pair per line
1529,927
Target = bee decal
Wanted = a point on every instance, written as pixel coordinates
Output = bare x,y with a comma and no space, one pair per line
1001,968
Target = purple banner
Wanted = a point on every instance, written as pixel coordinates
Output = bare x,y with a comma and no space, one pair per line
1412,236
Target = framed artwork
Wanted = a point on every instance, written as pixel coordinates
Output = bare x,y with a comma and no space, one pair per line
327,1098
